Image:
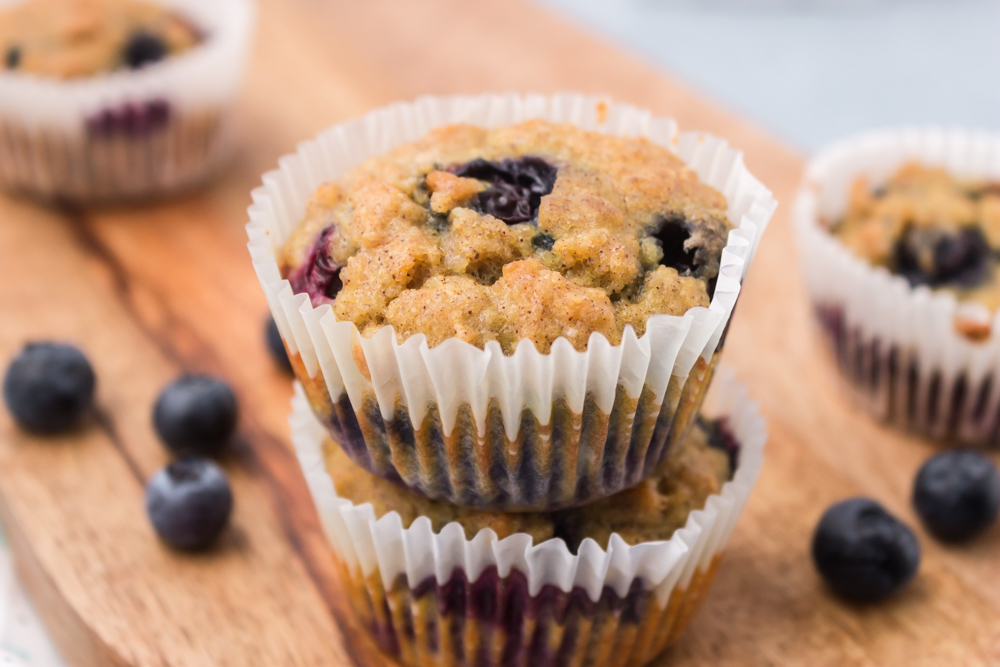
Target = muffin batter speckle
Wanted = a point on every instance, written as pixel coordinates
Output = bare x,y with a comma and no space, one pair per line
531,231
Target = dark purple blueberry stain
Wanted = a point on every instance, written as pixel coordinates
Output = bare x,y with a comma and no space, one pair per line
12,57
143,48
319,275
507,601
517,186
542,242
129,119
721,438
935,257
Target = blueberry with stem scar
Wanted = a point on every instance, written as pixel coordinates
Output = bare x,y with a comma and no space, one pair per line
957,494
189,503
864,553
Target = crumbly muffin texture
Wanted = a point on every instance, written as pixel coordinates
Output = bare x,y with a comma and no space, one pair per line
68,39
650,511
534,231
931,228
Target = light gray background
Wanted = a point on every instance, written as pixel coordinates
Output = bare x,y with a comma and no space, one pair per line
812,71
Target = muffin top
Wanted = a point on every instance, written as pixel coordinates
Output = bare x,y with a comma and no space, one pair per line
536,230
650,511
66,39
930,228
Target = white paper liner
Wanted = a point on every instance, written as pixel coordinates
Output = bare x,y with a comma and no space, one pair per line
456,372
367,543
44,121
941,383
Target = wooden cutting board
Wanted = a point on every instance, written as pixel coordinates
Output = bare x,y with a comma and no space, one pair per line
151,291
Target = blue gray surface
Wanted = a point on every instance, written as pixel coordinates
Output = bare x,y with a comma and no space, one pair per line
811,71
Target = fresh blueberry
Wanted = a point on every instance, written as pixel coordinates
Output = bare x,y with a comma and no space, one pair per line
957,494
12,57
142,49
189,503
863,552
195,414
517,186
48,387
276,346
936,257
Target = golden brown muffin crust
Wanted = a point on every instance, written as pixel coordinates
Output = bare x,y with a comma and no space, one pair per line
67,39
650,511
406,232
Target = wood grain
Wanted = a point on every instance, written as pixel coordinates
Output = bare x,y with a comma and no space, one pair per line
150,291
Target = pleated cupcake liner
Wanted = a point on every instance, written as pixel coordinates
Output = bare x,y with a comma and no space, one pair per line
472,426
128,134
441,599
900,348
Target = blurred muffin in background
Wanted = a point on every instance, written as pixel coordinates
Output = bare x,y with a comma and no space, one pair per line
931,228
117,99
66,39
900,238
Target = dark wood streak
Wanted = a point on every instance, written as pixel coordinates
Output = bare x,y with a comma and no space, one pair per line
123,282
243,450
107,425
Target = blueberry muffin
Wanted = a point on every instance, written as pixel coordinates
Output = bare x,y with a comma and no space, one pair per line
535,231
900,234
931,228
495,619
67,39
538,234
104,100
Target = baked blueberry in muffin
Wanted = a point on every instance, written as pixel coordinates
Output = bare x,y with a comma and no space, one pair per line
931,228
534,231
67,39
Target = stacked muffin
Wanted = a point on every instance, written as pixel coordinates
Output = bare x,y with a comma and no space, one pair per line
506,327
